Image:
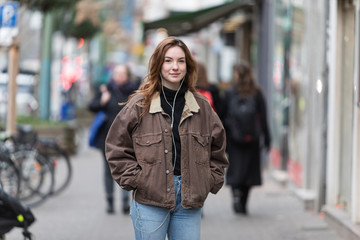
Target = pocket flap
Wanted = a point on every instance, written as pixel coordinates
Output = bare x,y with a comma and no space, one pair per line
201,139
148,140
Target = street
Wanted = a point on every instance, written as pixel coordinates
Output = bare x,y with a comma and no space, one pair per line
79,212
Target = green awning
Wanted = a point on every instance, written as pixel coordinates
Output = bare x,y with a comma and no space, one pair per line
185,23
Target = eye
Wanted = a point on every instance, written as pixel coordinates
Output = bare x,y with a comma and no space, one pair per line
167,60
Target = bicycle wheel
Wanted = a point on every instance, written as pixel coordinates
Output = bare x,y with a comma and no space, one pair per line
37,177
9,176
61,164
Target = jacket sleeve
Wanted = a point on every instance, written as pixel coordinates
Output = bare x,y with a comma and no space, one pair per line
218,159
119,149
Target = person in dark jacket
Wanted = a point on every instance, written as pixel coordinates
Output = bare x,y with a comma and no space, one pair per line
245,155
107,99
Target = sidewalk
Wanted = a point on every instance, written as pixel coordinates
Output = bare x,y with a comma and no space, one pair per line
79,213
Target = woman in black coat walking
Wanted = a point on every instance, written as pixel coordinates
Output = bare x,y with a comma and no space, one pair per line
247,133
107,99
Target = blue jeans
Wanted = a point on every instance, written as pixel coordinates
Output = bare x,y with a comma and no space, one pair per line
154,223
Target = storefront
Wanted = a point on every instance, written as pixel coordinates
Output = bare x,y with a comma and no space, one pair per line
298,99
342,209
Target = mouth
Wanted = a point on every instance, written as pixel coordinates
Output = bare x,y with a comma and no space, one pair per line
174,74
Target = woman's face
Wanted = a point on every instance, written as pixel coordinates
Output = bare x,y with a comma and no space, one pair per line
173,69
120,74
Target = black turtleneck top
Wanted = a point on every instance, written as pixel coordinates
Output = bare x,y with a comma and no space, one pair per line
179,107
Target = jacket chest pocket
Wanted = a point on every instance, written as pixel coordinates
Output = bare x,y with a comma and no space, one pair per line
200,145
148,148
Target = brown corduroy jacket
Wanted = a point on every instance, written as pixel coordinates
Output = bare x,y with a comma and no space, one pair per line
139,149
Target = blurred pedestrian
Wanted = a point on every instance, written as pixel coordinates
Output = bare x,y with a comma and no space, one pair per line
247,133
168,146
202,84
107,99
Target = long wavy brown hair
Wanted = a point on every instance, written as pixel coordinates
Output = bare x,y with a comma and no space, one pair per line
152,82
244,79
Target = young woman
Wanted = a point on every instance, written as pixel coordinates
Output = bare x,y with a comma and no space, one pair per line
168,146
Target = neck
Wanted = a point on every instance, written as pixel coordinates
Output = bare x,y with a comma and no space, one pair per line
172,86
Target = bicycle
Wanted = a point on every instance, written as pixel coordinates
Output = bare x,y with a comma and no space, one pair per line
49,148
9,176
60,160
35,170
37,177
44,166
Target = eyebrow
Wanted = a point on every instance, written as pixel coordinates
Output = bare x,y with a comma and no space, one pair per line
172,58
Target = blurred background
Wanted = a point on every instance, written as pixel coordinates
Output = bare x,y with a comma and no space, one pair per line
305,55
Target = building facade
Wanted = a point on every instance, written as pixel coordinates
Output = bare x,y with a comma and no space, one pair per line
342,206
315,106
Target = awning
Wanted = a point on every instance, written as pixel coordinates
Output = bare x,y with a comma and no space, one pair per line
185,23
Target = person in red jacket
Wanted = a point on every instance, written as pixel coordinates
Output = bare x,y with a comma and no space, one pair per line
202,84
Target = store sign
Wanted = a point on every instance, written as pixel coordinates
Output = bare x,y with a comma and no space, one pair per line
8,22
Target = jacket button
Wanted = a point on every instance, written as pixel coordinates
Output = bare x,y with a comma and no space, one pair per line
168,190
147,142
166,130
166,151
167,171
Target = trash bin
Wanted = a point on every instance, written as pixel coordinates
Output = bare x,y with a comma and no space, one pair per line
67,111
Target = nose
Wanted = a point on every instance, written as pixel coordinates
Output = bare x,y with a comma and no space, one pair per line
175,65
